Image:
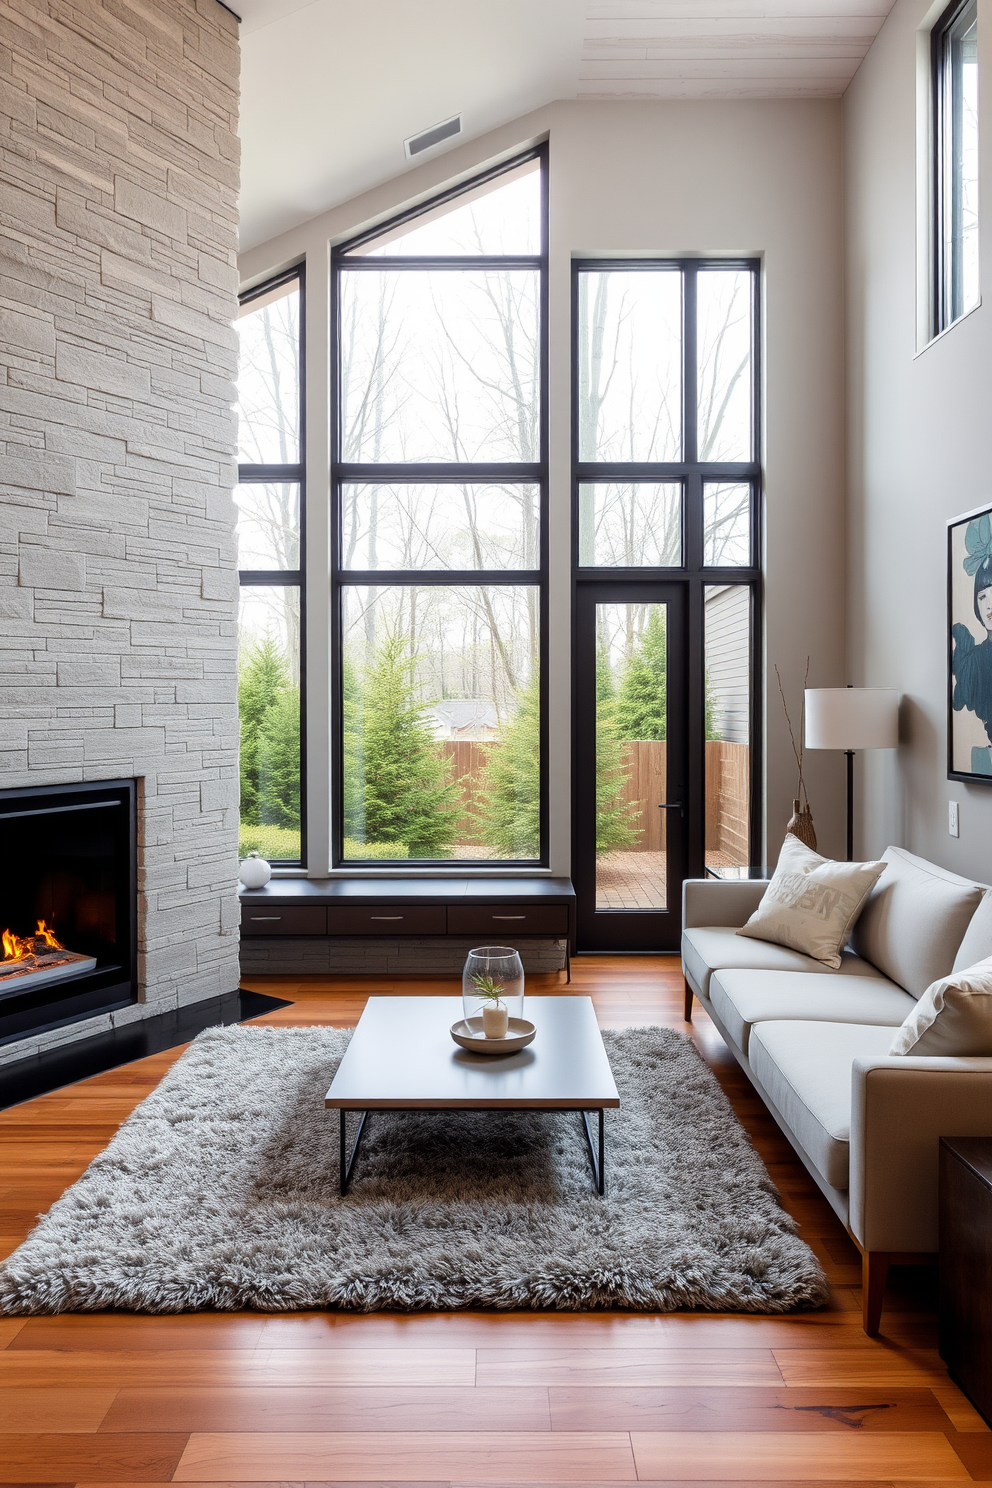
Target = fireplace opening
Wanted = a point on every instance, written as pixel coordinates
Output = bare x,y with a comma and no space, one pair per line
68,898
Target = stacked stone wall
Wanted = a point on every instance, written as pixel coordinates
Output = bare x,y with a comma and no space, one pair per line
118,280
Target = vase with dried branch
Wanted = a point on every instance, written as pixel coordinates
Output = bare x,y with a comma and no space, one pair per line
800,823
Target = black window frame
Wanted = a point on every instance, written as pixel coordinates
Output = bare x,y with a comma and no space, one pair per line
945,124
414,473
692,573
287,474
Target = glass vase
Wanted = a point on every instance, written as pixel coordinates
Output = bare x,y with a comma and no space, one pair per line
499,965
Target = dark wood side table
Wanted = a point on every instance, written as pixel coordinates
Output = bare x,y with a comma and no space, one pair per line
966,1266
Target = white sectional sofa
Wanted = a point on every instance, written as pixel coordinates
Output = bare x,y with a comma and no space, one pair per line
815,1044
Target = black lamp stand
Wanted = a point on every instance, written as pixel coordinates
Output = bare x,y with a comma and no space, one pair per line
850,804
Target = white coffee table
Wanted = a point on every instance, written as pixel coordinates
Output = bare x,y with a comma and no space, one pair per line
402,1058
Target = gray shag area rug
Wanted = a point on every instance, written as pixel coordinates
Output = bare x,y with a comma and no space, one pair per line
221,1192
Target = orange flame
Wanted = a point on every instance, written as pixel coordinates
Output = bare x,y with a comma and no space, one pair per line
17,949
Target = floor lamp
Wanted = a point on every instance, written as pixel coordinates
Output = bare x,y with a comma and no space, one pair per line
851,718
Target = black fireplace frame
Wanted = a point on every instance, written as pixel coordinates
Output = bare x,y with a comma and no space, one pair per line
104,990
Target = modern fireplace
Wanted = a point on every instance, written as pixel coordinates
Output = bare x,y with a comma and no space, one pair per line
68,904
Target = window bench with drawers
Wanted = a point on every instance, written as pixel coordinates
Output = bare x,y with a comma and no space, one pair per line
350,926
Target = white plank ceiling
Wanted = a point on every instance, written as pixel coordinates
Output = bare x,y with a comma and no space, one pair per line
331,88
725,48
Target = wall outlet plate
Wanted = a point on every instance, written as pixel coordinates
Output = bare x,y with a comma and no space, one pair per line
952,819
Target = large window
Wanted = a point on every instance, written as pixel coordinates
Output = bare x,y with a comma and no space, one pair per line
439,532
666,474
954,57
270,563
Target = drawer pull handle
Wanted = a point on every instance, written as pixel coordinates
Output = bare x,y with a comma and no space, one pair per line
385,917
509,917
265,917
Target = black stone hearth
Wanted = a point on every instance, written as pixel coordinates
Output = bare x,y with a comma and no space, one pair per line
54,1068
68,857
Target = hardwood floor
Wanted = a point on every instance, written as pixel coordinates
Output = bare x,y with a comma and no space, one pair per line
458,1399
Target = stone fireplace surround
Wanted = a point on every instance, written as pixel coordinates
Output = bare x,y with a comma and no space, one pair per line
118,279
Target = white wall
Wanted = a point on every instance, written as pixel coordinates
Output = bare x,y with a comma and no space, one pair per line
661,178
920,449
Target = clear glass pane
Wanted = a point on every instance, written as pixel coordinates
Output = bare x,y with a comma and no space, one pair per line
631,755
632,525
269,705
630,365
723,341
442,722
728,724
727,525
960,122
268,526
440,526
269,378
500,217
440,365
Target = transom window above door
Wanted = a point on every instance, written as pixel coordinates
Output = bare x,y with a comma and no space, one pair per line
665,414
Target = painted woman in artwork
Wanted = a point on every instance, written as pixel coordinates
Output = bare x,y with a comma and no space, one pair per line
971,663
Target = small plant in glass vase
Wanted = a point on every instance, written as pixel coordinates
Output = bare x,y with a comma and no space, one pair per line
495,1013
493,985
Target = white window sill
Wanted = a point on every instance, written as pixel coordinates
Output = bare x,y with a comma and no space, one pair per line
948,329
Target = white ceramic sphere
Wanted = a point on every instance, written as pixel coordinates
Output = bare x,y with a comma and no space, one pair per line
255,873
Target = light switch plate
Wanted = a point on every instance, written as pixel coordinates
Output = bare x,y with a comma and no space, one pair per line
952,819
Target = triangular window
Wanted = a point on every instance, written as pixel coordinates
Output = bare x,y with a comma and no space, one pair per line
500,217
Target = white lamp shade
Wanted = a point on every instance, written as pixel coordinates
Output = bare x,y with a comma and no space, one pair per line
852,718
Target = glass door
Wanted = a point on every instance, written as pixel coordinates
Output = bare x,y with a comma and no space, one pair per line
630,827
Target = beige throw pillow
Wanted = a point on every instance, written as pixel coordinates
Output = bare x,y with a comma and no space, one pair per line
953,1017
811,902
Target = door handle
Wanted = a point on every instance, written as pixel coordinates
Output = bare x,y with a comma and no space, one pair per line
509,917
256,919
678,806
385,917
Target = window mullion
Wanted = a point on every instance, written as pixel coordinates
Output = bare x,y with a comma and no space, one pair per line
690,391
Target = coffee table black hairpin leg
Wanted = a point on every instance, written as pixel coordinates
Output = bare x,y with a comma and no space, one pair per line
597,1153
348,1163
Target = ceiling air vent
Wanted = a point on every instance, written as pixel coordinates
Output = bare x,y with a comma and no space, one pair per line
418,143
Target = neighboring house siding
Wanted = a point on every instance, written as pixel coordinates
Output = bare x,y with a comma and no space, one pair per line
728,661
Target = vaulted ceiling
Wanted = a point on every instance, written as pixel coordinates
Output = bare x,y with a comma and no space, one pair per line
331,88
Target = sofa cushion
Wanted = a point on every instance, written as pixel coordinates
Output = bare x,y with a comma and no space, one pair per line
743,998
977,943
805,1068
952,1018
706,948
812,902
915,920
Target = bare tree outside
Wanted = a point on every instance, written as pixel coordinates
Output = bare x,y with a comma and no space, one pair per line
727,524
443,366
723,355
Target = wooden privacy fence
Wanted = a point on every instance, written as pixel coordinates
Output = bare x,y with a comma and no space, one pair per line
646,761
466,761
728,799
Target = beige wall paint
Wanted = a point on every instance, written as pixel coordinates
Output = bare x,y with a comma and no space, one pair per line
920,450
759,178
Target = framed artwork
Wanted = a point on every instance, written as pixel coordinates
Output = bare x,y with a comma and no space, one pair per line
969,647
